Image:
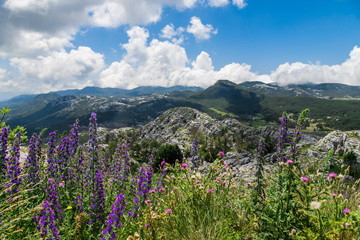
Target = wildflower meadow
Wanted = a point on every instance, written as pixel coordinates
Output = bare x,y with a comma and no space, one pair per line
67,190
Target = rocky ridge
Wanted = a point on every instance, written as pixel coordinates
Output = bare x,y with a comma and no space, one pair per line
179,125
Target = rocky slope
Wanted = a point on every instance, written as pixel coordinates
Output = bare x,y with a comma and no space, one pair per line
340,143
180,125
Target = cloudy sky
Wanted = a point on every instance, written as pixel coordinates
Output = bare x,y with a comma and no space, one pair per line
48,45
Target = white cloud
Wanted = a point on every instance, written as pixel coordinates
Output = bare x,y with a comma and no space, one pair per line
38,6
113,13
60,69
161,63
49,25
218,3
239,3
348,72
199,30
175,35
203,61
143,63
3,73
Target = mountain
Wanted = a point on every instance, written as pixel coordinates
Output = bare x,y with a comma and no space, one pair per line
117,92
323,90
105,92
16,100
222,100
227,98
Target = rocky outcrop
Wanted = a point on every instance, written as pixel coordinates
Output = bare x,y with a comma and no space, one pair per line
339,142
179,125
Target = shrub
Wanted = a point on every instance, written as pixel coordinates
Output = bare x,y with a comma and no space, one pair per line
350,160
168,153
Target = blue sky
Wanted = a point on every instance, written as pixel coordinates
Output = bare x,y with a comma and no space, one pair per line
48,45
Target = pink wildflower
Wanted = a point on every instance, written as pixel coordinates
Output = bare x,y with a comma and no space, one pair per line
61,184
215,169
332,175
184,165
221,153
304,179
289,162
211,191
148,201
152,191
346,210
198,181
168,211
162,163
347,224
146,225
223,183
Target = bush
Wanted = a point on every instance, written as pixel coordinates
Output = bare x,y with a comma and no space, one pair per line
168,153
350,160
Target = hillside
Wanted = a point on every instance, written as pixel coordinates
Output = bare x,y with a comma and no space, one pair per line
323,90
222,100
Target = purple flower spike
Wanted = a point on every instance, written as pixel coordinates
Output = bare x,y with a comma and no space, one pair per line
114,221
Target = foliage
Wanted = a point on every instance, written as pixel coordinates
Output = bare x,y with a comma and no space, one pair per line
84,193
350,160
168,153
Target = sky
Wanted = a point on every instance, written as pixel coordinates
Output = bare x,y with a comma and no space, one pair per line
49,45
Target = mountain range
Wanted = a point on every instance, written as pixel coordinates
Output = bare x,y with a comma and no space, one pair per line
332,106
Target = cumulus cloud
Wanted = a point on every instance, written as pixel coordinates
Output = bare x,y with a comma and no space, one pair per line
203,61
3,73
239,3
218,3
49,25
175,35
162,63
144,63
61,68
199,30
348,72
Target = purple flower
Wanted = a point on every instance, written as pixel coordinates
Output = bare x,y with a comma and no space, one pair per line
13,167
98,199
113,221
49,218
4,134
332,175
53,167
304,179
31,162
346,210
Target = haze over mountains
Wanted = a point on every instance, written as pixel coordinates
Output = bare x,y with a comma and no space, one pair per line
332,106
